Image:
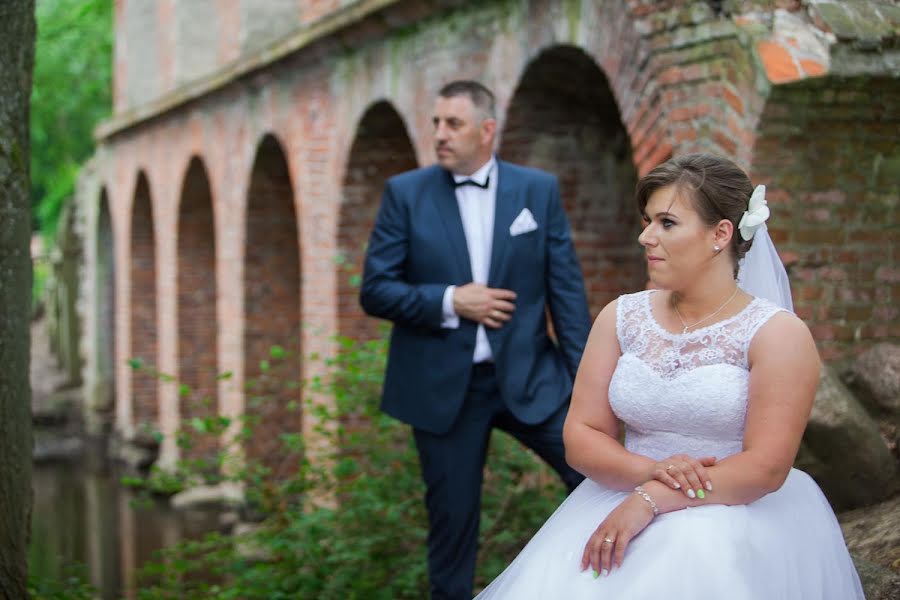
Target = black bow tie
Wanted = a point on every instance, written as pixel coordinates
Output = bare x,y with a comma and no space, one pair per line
483,186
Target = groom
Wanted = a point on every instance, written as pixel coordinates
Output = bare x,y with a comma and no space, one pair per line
465,258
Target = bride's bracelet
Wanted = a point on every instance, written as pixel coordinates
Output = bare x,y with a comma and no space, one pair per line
643,494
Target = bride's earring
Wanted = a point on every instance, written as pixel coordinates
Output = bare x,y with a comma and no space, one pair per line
717,249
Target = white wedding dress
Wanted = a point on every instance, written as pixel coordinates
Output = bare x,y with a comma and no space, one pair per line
688,394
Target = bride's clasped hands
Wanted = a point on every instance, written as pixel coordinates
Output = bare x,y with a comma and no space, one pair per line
605,550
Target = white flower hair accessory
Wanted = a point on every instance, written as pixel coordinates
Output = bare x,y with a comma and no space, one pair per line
755,215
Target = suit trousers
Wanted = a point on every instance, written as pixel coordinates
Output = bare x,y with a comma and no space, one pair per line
452,467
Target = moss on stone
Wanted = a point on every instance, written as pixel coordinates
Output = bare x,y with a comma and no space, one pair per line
840,22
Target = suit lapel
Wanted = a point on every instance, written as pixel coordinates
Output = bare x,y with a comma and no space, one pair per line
448,208
507,206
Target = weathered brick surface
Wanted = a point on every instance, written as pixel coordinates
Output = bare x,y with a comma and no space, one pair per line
828,152
196,314
564,119
596,92
143,331
272,309
381,149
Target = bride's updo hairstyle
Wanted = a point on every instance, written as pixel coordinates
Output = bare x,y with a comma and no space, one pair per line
717,188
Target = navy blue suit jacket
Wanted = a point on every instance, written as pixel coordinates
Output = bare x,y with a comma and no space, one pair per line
418,248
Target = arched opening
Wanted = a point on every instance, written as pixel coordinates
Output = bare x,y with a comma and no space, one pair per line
381,149
105,392
197,310
272,310
143,309
564,119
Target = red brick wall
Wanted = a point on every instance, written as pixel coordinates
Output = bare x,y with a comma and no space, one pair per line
143,306
197,303
380,149
272,309
827,149
563,119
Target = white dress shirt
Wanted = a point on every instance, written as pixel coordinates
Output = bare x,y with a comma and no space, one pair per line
476,207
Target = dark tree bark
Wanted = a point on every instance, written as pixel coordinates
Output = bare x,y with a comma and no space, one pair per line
17,31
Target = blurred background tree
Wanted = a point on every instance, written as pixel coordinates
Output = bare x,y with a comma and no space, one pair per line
71,94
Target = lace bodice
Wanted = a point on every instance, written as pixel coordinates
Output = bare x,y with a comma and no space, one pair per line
683,392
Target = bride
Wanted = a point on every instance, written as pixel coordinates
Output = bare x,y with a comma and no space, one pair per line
714,384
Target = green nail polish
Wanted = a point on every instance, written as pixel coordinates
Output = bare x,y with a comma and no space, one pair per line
701,494
596,573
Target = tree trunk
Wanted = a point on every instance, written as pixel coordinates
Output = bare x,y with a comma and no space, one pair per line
17,31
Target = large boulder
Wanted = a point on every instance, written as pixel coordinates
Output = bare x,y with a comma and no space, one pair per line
879,583
874,376
873,533
849,459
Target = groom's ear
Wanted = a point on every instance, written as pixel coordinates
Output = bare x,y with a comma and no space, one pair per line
488,130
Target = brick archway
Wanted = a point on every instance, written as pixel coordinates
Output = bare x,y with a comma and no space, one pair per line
143,307
381,148
105,392
564,119
272,309
196,284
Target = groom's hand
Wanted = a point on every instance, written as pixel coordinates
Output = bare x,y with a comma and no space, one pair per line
492,307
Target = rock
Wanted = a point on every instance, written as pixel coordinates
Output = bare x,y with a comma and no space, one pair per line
879,583
853,465
137,459
873,533
203,496
224,495
875,377
49,448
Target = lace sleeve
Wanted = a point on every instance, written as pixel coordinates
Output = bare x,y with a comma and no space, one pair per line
763,313
628,321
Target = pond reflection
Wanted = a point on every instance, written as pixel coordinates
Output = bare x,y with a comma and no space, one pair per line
83,516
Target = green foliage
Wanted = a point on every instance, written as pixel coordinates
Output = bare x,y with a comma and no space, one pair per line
351,523
70,95
41,271
72,586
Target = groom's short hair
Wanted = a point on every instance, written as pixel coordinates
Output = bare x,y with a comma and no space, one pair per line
481,97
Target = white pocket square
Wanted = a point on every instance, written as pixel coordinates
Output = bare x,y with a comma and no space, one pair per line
523,224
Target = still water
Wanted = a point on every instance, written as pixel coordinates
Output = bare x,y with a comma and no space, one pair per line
82,516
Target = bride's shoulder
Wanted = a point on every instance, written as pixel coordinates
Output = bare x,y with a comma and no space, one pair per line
633,299
779,329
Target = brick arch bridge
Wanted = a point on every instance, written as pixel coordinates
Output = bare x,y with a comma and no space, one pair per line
229,200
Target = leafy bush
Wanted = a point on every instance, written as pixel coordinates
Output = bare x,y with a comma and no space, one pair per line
351,524
72,586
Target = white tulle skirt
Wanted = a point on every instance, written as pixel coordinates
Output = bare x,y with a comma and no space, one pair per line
786,545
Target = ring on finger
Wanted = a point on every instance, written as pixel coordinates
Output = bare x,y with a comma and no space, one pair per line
608,540
669,468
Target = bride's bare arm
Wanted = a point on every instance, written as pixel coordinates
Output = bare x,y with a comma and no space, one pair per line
784,374
591,430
